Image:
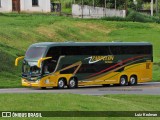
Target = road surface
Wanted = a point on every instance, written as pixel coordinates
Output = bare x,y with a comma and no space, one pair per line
150,88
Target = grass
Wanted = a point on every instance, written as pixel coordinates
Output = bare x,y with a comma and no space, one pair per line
18,31
72,102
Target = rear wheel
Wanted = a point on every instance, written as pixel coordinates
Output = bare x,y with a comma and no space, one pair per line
43,88
73,83
106,85
61,83
133,80
123,81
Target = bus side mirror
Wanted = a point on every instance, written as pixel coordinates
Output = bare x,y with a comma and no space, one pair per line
17,60
42,59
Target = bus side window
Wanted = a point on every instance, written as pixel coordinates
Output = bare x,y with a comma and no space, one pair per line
55,53
70,50
85,50
101,50
115,50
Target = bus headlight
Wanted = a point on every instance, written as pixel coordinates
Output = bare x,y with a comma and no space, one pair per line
37,81
23,80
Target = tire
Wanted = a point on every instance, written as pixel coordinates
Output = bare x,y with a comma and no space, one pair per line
123,81
106,85
133,80
72,83
61,83
43,88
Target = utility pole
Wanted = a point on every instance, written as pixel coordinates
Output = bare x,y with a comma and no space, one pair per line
115,7
82,7
157,7
126,6
93,3
105,6
73,1
151,7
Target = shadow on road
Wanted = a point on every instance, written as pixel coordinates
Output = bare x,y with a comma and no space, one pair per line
100,87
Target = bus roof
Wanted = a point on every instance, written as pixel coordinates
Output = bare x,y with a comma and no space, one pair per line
52,44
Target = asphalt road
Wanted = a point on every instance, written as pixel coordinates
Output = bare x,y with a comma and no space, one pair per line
150,88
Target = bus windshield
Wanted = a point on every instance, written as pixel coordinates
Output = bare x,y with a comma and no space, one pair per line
35,53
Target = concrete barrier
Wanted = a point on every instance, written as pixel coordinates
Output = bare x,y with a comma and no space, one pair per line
86,11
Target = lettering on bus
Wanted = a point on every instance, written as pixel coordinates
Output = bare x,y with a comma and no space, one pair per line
106,59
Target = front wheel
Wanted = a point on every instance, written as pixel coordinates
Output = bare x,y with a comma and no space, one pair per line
61,83
43,88
105,85
72,83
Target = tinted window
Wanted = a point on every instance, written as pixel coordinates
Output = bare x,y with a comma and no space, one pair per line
98,50
54,52
101,50
70,50
85,50
117,50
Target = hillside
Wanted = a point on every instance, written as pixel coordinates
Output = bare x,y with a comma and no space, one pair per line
17,32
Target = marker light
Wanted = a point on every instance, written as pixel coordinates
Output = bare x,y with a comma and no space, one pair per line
47,81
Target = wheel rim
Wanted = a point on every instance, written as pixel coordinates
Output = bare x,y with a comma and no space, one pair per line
72,83
123,81
61,83
132,80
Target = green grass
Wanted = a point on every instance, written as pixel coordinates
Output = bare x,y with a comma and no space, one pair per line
18,31
72,102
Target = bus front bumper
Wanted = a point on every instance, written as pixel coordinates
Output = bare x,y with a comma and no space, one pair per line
37,83
27,83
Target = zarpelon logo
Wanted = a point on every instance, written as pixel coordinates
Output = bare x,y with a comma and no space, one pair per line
95,59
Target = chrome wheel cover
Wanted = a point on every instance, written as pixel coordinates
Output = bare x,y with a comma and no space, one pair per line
132,80
72,83
61,83
123,81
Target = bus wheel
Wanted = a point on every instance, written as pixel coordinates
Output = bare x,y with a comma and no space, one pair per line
43,88
123,81
133,80
105,85
61,83
73,83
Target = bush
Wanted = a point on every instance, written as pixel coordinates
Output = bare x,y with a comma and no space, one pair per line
137,17
134,17
114,18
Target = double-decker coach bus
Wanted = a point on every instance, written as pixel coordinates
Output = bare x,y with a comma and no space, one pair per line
74,64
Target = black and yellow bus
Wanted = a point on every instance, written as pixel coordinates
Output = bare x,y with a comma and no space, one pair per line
74,64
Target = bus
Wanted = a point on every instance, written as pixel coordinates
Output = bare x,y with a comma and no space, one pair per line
73,64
